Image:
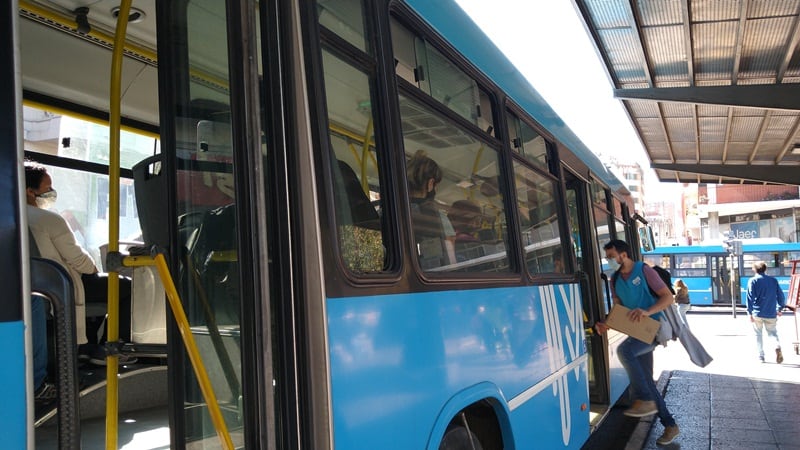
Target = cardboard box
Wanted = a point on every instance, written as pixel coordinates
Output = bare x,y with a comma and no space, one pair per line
645,330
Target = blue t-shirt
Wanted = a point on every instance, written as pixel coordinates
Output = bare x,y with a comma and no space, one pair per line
634,291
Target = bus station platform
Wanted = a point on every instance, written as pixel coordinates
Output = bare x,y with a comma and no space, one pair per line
736,402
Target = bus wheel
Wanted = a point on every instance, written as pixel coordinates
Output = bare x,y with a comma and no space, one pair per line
458,437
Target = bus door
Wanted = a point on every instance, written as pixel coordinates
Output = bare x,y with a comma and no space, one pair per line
721,279
592,290
218,101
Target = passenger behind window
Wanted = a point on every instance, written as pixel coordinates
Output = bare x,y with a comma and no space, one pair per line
430,225
558,261
467,219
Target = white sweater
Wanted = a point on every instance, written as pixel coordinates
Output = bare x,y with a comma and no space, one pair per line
56,242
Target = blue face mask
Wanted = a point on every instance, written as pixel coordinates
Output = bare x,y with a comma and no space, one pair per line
613,264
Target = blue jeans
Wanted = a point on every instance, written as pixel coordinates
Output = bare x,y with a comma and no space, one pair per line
772,331
637,359
39,333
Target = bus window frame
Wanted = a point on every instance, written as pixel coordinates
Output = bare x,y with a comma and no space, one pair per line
513,257
368,62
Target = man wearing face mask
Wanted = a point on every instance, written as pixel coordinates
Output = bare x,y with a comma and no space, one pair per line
55,241
632,290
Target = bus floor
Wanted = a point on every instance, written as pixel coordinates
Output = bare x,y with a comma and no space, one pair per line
142,405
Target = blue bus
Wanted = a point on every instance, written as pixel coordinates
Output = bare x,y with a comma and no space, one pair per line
379,234
707,269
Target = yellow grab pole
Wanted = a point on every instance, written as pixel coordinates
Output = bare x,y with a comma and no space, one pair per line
114,114
194,354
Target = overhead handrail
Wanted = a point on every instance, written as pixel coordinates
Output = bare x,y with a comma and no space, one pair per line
136,51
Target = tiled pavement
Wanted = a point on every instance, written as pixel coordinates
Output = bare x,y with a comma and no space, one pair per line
736,402
729,412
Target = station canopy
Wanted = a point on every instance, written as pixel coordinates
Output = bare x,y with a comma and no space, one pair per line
712,87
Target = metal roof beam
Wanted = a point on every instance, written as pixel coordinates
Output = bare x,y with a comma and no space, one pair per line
728,131
688,41
737,54
789,142
763,96
634,20
791,45
664,130
769,174
760,137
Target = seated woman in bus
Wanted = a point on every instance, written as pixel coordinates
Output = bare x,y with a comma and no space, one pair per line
466,218
55,241
432,228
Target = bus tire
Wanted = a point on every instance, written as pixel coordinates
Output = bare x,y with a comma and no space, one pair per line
459,437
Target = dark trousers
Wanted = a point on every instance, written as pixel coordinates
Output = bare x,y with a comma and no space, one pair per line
96,287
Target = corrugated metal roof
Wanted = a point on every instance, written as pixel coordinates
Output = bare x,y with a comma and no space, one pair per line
711,86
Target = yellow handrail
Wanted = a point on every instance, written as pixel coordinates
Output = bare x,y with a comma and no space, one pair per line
194,355
115,114
188,339
112,368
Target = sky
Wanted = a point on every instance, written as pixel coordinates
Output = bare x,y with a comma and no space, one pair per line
546,40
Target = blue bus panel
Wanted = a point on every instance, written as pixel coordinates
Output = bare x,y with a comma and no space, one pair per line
396,359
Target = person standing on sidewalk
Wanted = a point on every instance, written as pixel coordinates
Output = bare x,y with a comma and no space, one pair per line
632,290
682,299
765,302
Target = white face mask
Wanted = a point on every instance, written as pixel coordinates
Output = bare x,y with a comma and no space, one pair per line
613,264
46,200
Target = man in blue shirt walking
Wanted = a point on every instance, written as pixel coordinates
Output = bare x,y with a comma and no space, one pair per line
631,289
765,302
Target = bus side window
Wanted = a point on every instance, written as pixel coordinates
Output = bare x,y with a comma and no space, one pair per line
541,238
354,157
457,212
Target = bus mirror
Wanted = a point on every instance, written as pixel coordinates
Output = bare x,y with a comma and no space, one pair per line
646,239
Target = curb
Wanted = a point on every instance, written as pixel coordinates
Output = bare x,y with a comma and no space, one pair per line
639,436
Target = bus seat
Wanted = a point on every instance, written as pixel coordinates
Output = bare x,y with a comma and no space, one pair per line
212,266
358,222
151,203
353,206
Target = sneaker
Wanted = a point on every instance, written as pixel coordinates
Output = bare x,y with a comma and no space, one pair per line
669,435
778,355
45,393
641,408
122,360
761,358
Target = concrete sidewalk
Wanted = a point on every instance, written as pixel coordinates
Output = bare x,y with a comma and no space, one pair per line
726,412
736,402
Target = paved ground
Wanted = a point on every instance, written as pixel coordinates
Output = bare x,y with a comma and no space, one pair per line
736,402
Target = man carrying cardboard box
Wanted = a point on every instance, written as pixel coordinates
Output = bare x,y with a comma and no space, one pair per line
632,290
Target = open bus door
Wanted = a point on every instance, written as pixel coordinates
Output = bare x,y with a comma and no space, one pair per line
721,279
592,294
